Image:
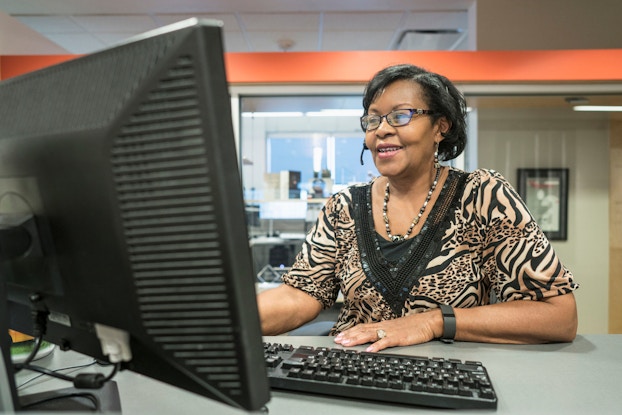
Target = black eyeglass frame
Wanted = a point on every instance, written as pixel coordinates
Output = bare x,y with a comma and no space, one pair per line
392,122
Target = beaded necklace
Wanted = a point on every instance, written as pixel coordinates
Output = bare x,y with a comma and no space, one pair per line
385,216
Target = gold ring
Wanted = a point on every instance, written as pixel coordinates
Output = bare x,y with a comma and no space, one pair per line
381,334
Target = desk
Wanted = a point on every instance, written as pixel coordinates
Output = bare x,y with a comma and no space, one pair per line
583,377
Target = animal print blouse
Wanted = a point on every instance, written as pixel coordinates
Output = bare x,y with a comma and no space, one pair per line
479,239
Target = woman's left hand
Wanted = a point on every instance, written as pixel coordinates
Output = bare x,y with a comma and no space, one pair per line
404,331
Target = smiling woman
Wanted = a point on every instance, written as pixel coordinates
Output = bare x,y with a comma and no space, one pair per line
415,239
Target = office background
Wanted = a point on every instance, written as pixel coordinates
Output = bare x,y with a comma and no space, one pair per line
516,127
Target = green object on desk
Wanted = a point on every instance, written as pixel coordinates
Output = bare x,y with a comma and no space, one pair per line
21,350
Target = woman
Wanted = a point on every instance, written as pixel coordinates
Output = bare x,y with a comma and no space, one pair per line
419,251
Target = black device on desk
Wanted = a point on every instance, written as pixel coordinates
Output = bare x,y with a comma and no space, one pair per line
382,377
122,217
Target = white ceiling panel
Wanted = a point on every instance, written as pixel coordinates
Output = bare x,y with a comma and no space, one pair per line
412,40
218,6
80,44
357,40
283,41
115,23
281,21
436,20
83,26
52,24
362,21
230,21
235,42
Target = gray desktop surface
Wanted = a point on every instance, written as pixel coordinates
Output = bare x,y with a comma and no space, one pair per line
581,377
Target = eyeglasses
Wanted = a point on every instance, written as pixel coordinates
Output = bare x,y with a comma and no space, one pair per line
396,118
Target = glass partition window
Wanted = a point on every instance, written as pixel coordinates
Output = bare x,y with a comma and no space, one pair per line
295,152
333,159
301,147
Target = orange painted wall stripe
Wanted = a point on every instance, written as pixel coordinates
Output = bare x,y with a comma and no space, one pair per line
594,65
11,66
465,67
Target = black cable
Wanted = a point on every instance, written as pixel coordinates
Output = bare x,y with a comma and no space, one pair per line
43,371
33,353
93,362
115,370
80,381
71,395
39,327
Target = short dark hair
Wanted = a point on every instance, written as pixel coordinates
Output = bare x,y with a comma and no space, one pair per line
441,96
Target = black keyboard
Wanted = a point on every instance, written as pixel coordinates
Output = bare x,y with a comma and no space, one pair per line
402,379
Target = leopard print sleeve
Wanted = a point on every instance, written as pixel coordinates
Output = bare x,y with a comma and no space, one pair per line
315,265
518,259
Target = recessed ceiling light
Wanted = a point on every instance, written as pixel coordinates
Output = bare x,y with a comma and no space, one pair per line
598,108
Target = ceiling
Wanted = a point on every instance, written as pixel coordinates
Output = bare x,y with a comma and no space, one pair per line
40,27
85,26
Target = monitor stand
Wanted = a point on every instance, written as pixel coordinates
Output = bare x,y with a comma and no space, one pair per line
106,400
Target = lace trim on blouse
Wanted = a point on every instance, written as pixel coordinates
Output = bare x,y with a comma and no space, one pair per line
394,280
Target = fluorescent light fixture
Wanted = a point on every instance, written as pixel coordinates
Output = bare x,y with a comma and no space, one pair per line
272,114
335,113
321,113
598,108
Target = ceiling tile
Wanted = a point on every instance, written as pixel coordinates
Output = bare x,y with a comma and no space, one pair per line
248,26
51,24
108,24
431,41
361,21
356,40
280,21
235,42
270,42
436,20
229,21
77,43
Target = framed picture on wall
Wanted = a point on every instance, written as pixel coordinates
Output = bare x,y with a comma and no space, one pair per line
545,191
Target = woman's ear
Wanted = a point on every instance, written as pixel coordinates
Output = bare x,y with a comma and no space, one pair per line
444,125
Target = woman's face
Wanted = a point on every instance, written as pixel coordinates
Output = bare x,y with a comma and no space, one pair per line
406,150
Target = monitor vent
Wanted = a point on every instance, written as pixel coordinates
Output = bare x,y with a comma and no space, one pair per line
172,231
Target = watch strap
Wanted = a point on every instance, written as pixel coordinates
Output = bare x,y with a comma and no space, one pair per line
449,323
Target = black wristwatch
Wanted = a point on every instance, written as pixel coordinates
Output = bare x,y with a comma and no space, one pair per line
449,324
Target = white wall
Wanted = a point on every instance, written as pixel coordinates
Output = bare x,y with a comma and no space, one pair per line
542,138
548,24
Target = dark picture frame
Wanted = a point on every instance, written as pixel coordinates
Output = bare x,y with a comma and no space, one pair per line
545,192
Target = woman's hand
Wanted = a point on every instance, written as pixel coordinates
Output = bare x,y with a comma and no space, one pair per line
404,331
552,319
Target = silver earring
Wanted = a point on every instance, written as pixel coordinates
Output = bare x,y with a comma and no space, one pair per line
436,163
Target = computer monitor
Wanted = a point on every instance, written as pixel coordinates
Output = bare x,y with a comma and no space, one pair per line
122,210
283,209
